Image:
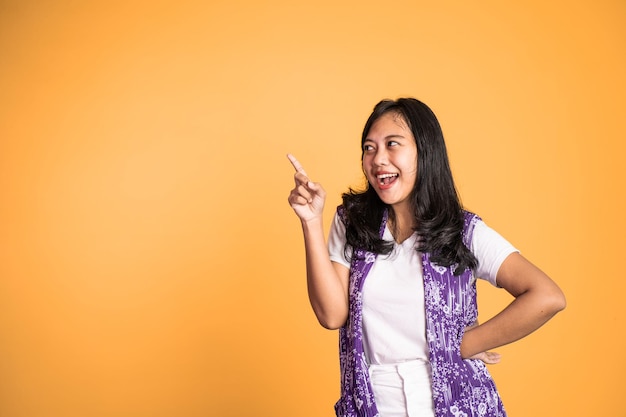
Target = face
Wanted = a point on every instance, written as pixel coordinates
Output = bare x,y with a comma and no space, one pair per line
390,160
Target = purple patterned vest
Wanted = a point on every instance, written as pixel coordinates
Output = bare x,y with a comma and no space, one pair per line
461,388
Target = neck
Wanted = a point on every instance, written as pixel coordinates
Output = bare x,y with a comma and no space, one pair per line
402,224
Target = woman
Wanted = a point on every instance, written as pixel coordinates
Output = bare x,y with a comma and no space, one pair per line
410,344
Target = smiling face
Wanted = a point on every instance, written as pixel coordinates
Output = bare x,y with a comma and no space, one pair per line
390,160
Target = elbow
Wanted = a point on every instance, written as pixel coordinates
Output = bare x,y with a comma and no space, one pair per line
562,303
331,323
330,317
555,302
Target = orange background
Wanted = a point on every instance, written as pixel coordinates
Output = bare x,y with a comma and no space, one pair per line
149,262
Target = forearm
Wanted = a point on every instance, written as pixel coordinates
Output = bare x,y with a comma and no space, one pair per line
524,315
327,291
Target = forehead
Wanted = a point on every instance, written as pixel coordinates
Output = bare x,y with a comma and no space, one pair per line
390,123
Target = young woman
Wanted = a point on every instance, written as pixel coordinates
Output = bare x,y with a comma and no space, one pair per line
397,277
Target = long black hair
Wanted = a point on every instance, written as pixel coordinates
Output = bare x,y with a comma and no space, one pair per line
434,198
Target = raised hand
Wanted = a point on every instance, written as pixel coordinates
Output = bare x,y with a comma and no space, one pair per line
307,198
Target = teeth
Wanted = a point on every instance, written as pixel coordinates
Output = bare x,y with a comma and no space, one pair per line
386,178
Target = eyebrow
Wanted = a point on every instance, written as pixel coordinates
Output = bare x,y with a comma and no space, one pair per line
387,138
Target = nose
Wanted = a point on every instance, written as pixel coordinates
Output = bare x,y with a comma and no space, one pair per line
381,158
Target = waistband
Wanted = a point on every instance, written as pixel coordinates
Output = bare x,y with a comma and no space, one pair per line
401,366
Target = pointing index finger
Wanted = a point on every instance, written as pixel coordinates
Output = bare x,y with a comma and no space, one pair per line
296,164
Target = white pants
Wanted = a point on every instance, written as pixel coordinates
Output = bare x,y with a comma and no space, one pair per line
403,389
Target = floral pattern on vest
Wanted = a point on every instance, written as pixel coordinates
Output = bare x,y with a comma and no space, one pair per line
461,387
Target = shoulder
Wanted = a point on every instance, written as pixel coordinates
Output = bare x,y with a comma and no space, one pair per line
341,214
470,217
470,220
339,222
490,249
337,241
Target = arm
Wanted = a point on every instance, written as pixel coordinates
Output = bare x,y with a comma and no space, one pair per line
327,282
537,299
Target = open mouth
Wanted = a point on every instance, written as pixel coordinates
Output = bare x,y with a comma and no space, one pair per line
386,179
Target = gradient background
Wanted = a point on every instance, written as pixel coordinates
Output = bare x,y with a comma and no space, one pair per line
149,262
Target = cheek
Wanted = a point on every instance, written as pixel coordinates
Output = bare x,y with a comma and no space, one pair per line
410,163
366,168
365,165
412,172
414,163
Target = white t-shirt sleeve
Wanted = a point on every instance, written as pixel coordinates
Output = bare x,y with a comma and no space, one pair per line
491,249
337,242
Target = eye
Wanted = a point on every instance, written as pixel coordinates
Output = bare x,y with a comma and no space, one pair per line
392,143
367,148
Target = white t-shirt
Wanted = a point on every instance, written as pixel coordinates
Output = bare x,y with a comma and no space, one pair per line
394,322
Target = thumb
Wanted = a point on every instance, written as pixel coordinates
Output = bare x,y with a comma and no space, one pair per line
316,188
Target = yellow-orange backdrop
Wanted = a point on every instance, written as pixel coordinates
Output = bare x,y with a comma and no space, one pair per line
149,262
